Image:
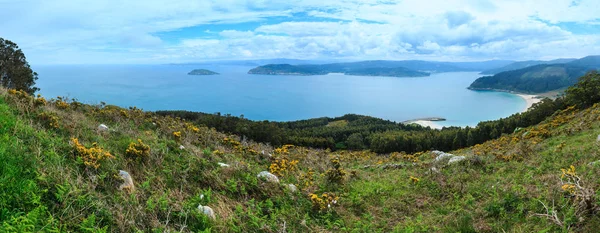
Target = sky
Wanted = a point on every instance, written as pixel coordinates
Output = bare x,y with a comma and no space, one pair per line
179,31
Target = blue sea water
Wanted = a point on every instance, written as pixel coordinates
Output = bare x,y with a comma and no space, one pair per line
278,98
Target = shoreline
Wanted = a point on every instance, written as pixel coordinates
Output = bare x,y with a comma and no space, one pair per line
530,100
425,123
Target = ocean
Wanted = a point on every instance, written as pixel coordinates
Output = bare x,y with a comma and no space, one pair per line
278,98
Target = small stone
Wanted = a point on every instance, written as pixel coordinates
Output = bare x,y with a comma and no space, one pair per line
223,164
127,181
102,127
268,176
181,147
594,163
434,170
292,188
598,138
456,159
207,211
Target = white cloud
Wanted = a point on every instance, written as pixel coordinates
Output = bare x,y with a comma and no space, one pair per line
111,31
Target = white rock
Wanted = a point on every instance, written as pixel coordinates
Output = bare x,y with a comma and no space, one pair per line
598,138
127,181
102,127
223,165
456,159
181,147
207,211
292,188
442,155
594,163
434,170
268,176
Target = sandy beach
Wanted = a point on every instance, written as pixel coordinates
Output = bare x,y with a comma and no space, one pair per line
425,123
529,100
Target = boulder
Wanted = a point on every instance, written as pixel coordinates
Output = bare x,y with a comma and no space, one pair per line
456,159
269,177
207,211
442,155
102,127
223,164
127,181
292,188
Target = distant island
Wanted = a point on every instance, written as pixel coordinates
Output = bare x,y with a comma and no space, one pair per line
538,78
359,69
202,72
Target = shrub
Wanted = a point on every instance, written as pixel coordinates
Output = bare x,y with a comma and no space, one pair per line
49,120
335,174
138,149
325,202
93,156
281,167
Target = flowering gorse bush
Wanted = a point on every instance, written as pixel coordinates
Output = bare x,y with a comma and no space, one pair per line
325,202
281,167
138,149
283,149
93,156
49,120
336,173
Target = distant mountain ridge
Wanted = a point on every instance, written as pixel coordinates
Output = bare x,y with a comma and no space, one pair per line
525,64
538,78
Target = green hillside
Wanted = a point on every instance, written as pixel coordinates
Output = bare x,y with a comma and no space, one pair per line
538,78
62,162
524,64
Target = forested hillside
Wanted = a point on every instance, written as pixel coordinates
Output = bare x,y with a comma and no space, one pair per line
538,78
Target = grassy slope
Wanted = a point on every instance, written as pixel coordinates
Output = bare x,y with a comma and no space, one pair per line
501,184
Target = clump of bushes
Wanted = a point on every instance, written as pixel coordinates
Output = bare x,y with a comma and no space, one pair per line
324,202
336,173
93,156
49,120
281,167
138,149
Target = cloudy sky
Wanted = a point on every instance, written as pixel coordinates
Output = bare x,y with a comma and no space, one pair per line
153,31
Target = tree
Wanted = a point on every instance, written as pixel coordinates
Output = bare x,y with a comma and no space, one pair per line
15,72
355,141
586,92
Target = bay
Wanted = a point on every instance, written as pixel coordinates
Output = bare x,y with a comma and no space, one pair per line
278,98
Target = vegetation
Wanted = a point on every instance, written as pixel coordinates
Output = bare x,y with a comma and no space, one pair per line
389,72
202,72
286,69
367,68
15,72
65,176
538,78
524,64
362,132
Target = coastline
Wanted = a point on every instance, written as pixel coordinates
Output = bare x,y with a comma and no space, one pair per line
530,100
427,122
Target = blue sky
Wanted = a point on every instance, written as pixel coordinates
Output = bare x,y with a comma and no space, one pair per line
153,31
